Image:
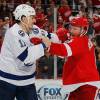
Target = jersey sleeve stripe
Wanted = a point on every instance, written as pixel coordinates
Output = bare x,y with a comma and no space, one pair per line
23,55
69,51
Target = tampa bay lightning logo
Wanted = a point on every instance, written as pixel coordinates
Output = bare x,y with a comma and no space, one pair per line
21,33
35,30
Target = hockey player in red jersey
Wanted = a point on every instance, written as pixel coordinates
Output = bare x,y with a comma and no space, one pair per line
80,75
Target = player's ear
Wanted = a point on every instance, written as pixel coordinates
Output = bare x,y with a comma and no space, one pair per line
23,18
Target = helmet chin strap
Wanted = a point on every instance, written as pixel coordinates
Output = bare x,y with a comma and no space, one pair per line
84,32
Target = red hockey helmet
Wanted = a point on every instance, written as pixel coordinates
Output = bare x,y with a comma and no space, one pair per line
62,34
79,22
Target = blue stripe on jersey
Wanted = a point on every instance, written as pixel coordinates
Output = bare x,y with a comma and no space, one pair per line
23,55
28,64
44,46
16,77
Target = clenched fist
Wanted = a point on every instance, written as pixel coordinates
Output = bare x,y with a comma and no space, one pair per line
46,41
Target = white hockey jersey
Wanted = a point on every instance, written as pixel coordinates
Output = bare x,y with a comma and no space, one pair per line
52,36
18,57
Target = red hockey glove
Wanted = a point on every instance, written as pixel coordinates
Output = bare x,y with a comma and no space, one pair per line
35,40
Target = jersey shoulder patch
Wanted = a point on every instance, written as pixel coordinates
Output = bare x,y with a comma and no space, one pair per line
35,30
21,33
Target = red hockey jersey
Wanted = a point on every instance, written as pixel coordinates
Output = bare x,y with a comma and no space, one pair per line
80,67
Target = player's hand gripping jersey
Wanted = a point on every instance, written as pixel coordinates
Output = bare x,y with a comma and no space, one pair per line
52,36
35,36
18,57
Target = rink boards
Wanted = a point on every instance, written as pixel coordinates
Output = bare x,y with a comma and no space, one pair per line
49,89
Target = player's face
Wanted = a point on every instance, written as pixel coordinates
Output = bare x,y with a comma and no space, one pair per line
30,21
27,22
75,31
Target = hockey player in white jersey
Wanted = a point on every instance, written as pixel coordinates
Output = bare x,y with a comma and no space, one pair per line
18,58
